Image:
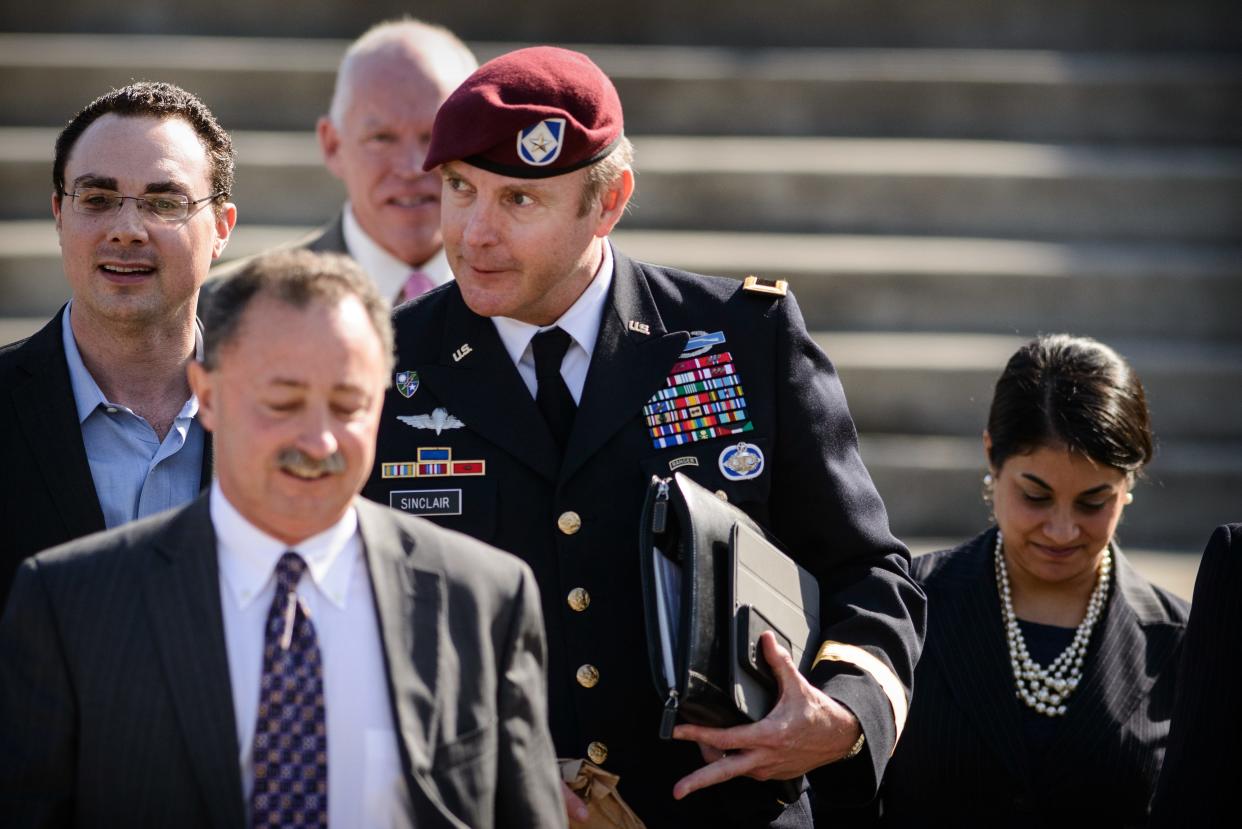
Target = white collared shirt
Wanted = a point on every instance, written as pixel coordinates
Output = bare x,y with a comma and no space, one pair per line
388,272
581,322
364,765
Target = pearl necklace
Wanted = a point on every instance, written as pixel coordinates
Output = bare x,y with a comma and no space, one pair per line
1047,689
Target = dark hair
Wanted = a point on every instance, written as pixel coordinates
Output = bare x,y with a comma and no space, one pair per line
1075,392
155,100
295,277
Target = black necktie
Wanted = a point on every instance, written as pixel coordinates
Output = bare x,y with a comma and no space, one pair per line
290,737
553,397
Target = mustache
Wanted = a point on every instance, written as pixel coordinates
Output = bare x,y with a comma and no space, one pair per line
297,462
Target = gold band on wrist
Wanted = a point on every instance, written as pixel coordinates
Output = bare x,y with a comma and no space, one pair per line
877,670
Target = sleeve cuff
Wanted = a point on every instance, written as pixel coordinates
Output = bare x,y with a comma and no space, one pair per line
871,665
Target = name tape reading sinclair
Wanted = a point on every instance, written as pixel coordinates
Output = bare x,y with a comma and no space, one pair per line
426,501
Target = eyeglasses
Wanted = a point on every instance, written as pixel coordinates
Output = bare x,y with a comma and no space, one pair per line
167,207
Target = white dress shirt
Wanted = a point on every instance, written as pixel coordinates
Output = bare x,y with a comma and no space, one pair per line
388,272
364,766
581,322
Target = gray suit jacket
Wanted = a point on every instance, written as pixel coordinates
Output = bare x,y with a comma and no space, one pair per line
116,707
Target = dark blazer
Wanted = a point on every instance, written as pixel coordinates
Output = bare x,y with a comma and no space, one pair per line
47,495
116,707
963,759
1198,783
330,238
813,493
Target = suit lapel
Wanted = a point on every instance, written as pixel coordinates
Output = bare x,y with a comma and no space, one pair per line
478,383
328,239
1126,654
627,366
48,415
975,663
409,604
182,595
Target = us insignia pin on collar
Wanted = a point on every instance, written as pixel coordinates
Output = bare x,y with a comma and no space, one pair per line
439,419
541,144
640,327
462,352
741,461
407,383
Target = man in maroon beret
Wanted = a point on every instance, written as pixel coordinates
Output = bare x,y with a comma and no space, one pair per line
536,396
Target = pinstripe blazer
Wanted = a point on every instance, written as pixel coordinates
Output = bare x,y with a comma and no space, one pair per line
1197,787
962,758
116,707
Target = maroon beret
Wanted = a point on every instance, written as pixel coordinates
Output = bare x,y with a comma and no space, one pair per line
534,113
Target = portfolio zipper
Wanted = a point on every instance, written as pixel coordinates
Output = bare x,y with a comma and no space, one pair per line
659,521
669,718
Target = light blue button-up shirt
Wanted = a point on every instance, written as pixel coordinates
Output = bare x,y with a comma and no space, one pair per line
136,474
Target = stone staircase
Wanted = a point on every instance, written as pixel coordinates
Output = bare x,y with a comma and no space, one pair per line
938,181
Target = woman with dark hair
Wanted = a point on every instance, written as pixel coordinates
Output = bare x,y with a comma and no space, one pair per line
1044,691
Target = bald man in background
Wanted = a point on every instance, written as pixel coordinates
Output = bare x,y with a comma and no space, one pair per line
390,84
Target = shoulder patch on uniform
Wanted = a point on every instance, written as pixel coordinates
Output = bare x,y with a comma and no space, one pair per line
755,285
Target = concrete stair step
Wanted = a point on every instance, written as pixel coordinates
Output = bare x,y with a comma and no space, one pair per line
1069,24
857,283
947,93
942,383
958,188
932,487
924,187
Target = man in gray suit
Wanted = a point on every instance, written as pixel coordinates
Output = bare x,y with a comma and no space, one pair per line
279,652
374,138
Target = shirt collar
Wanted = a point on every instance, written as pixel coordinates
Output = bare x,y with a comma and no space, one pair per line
248,556
387,271
86,392
581,321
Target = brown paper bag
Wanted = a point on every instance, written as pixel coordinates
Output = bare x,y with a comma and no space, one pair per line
598,789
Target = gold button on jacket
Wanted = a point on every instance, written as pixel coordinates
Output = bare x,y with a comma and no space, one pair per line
579,599
588,676
569,522
597,752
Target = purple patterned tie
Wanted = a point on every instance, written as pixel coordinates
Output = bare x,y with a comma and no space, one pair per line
290,734
416,284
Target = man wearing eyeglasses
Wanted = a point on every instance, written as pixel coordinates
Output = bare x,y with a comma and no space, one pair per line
97,422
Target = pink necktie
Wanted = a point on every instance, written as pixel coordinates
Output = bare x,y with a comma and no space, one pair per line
417,284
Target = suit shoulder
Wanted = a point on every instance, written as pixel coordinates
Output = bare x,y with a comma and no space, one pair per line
12,354
955,565
459,556
81,559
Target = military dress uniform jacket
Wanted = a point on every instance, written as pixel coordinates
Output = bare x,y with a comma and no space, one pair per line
963,759
576,522
47,494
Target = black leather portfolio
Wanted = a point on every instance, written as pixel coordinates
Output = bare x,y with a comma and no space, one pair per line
713,582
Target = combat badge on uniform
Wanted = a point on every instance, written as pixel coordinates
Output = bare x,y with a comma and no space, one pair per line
702,397
439,419
741,461
407,383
